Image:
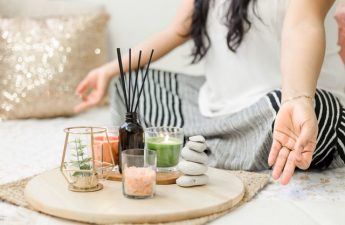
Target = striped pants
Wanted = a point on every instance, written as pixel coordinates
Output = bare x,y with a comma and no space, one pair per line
237,141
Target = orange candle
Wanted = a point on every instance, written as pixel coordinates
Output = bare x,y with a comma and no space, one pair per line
102,149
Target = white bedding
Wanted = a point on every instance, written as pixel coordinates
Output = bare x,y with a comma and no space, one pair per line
29,147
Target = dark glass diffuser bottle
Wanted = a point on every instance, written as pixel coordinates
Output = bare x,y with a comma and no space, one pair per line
131,135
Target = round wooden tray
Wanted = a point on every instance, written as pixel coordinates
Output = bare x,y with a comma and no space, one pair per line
49,193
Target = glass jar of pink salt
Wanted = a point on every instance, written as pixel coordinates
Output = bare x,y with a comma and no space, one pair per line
139,173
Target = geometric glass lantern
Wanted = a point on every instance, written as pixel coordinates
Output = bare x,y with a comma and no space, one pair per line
85,158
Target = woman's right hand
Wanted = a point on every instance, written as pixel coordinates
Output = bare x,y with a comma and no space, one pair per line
94,87
294,138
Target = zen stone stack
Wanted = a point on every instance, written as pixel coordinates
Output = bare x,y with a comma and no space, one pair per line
194,163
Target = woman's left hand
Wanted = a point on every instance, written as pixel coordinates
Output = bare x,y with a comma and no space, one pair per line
294,138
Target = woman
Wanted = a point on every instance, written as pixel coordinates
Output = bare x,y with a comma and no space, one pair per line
251,48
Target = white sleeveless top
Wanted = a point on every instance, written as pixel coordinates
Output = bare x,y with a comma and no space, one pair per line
237,80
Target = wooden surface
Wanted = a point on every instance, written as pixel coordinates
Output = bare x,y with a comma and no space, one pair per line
162,178
49,193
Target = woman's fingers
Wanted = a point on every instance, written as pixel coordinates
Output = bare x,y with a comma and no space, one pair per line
280,163
276,146
301,142
298,149
286,136
90,81
306,140
307,156
82,86
88,101
91,90
289,169
82,106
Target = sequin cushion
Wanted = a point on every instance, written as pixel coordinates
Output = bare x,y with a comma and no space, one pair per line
42,60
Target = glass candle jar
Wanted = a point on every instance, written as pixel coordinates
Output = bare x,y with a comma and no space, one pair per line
138,173
167,142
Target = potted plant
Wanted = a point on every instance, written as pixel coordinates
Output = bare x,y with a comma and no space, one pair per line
82,163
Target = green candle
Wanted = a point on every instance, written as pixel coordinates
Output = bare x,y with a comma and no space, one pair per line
167,148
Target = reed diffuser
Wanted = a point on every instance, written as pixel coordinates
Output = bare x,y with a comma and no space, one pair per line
131,133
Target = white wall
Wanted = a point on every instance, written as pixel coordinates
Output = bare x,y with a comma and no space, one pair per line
134,20
131,22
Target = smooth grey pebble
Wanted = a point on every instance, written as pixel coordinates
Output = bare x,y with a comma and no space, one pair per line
196,146
194,156
191,181
197,138
192,168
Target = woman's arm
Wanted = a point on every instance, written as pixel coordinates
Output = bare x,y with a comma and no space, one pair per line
303,46
163,42
303,49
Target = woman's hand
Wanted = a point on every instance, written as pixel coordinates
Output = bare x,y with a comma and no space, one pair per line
294,138
94,87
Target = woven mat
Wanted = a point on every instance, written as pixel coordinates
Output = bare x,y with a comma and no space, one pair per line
13,193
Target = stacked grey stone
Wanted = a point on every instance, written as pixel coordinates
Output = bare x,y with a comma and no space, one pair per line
194,163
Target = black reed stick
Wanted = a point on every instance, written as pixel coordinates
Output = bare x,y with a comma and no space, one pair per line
130,78
122,76
136,81
142,85
142,82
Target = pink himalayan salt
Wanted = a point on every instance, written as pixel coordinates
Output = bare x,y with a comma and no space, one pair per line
139,181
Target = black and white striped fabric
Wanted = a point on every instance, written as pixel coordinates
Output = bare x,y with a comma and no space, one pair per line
160,104
238,141
331,119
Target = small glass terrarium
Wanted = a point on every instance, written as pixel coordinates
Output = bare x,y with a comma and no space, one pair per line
85,159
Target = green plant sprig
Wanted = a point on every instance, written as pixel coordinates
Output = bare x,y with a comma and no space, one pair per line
81,162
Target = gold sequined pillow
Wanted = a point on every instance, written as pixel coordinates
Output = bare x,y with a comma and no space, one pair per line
42,60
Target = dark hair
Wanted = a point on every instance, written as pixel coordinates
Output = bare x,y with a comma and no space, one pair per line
236,20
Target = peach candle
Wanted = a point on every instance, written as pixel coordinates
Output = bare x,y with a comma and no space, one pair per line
103,149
